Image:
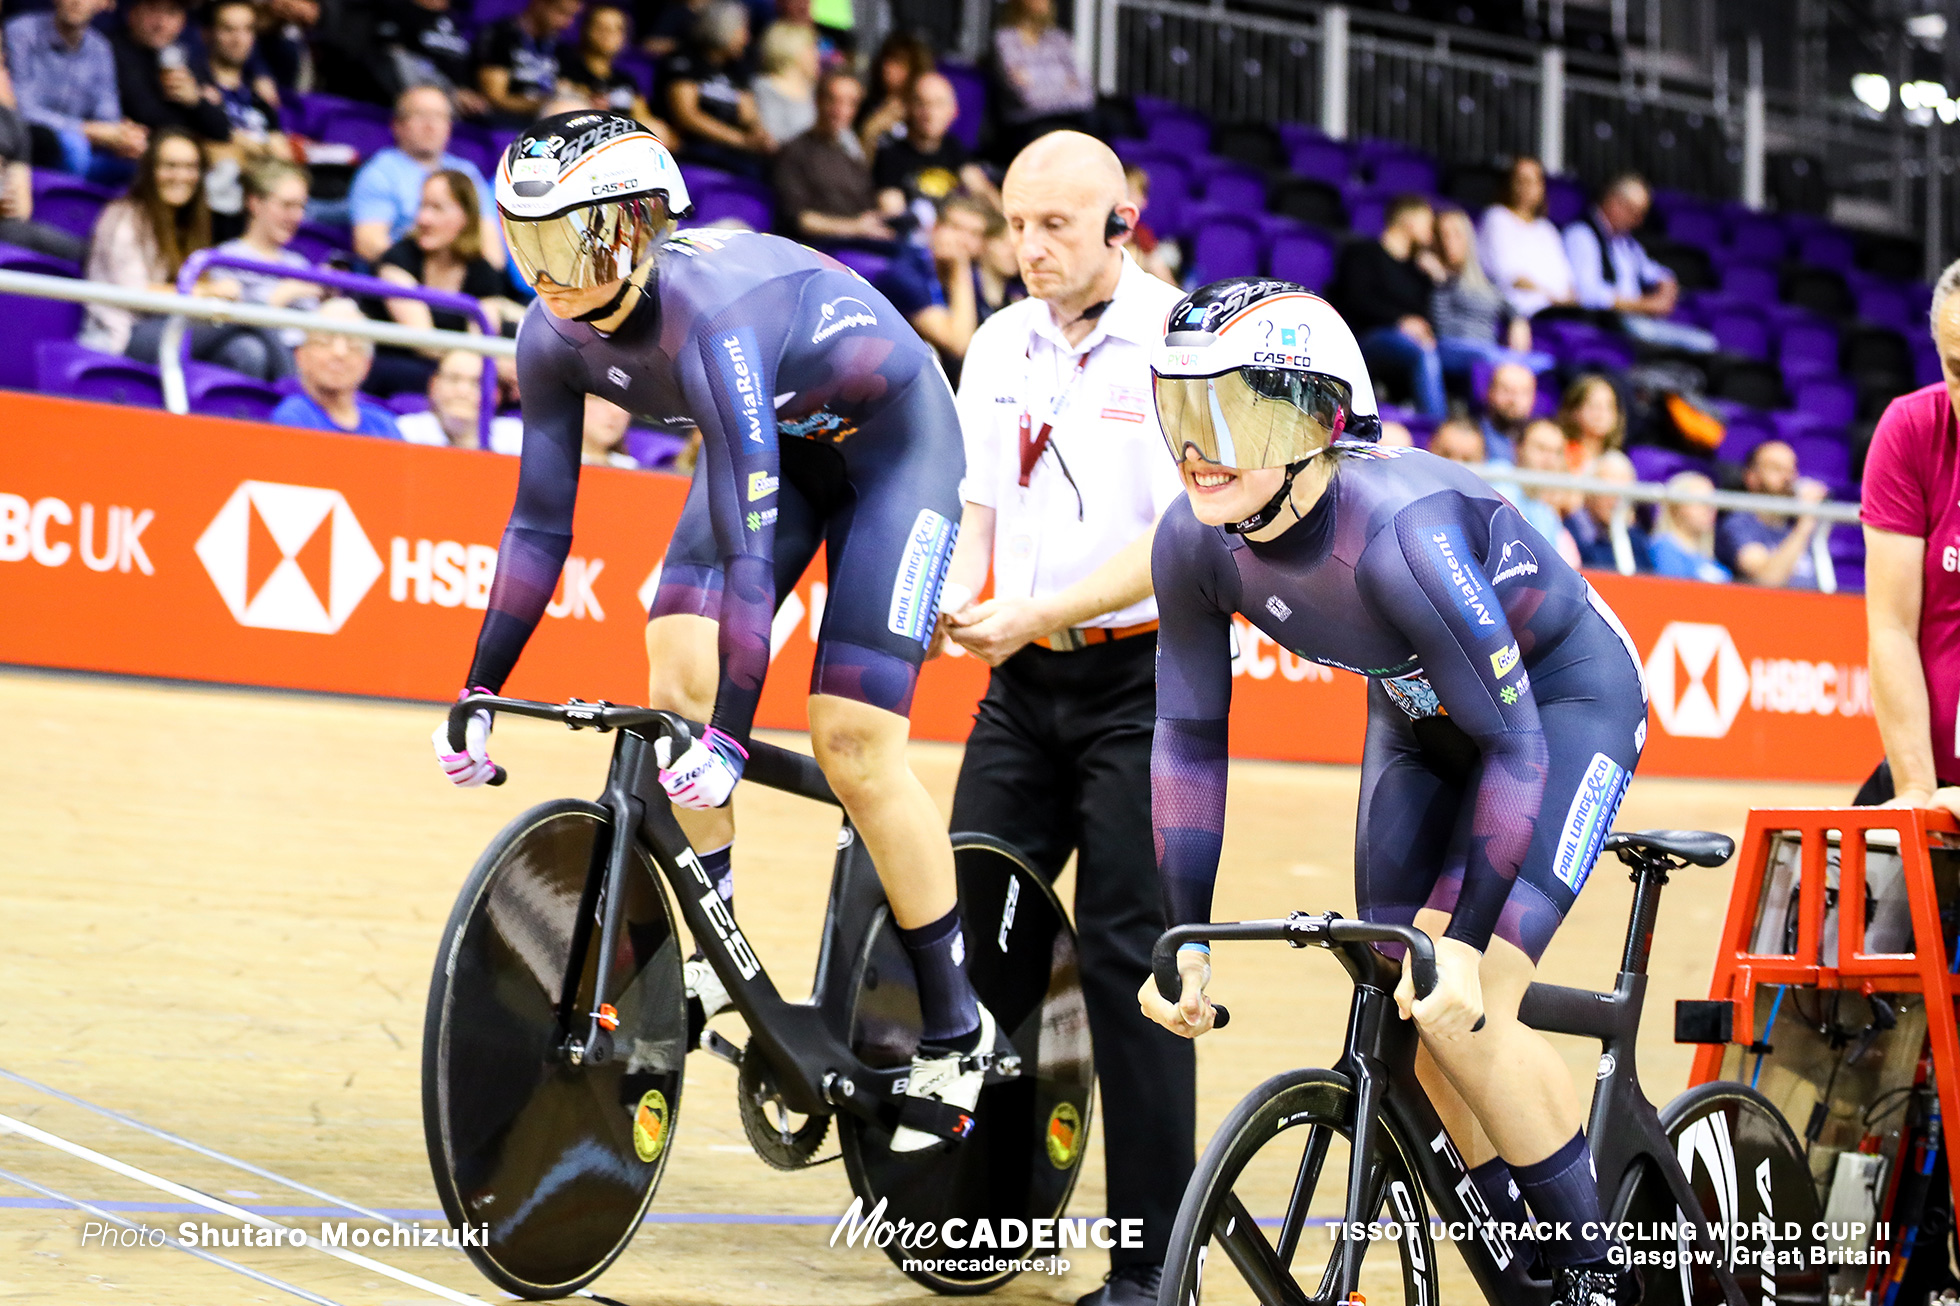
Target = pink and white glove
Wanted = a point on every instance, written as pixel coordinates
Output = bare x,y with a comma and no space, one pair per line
705,772
472,766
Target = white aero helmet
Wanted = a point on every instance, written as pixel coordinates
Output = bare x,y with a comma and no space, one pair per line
585,196
1259,373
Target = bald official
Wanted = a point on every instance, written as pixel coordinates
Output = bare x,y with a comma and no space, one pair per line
1066,477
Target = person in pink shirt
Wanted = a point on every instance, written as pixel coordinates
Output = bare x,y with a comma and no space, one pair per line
1910,507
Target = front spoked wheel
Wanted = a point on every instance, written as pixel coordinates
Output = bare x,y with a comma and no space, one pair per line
550,1164
1269,1194
1031,1131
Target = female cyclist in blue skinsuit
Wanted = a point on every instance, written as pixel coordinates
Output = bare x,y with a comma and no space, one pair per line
1506,710
824,421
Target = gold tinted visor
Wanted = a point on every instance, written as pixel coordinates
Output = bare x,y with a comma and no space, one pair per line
1252,417
588,246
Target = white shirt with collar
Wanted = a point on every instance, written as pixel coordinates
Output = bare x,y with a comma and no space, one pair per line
1106,475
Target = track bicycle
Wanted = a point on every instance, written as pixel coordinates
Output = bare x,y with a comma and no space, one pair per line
1719,1152
551,1085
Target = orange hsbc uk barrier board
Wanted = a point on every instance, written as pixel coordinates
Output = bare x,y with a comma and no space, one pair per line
203,549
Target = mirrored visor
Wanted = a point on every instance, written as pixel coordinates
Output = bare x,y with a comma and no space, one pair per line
589,246
1252,417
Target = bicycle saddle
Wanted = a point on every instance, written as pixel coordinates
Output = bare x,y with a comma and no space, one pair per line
1695,847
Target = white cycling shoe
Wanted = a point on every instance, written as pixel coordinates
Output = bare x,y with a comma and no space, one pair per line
942,1091
706,997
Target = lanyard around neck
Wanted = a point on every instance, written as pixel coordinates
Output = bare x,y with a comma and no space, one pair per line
1035,443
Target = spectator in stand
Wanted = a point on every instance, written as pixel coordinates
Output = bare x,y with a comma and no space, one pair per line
141,242
331,368
822,184
1592,525
1041,83
1612,272
1383,288
708,96
154,80
17,225
1459,441
1683,542
1474,322
590,67
456,409
1769,549
901,61
997,274
667,25
1396,436
285,27
426,46
929,163
1543,450
1520,248
1509,401
517,59
275,205
246,91
387,191
64,74
442,251
786,92
604,442
1589,414
1911,499
1158,257
938,290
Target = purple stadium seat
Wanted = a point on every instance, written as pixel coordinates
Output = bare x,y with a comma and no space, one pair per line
1224,245
309,110
365,127
1807,348
1150,108
1608,354
1403,172
1823,456
1739,329
865,264
970,87
1303,257
1240,189
25,320
1828,249
639,65
1884,304
1758,239
1655,464
1367,213
1564,336
1169,200
1926,362
316,240
62,367
1187,133
1847,549
1292,135
1831,400
407,402
486,12
1322,160
68,202
1693,226
1421,429
221,392
1749,281
721,203
1565,200
700,178
1745,431
477,150
652,448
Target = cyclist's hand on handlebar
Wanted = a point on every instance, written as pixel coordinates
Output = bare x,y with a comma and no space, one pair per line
1193,1014
472,766
705,772
1456,1005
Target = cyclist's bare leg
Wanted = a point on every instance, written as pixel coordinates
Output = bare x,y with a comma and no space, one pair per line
862,752
683,671
1472,1143
1507,1074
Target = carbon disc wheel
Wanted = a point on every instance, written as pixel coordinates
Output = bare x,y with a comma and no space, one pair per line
1744,1165
552,1164
1272,1179
1022,1161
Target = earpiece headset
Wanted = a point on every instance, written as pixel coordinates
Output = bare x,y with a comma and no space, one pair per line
1115,226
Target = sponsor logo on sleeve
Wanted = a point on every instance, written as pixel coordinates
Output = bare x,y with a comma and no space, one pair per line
915,590
1516,560
1588,820
761,485
841,314
1504,661
1465,580
617,375
1277,606
764,517
738,374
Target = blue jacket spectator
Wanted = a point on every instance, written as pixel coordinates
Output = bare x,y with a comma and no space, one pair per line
64,74
1683,542
388,189
1769,550
331,368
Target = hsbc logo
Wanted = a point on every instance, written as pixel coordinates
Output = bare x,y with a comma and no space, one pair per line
288,557
1697,680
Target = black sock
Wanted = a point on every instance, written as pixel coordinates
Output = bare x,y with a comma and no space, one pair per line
1562,1189
1499,1191
948,1009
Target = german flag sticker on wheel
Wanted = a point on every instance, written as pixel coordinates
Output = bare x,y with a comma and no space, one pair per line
1064,1135
650,1127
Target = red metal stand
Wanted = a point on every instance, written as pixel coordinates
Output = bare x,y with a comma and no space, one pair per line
1927,971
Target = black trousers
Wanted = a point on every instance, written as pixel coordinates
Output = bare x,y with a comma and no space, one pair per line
1059,763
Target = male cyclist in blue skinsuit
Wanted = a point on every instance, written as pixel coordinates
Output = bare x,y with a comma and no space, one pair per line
1506,712
824,421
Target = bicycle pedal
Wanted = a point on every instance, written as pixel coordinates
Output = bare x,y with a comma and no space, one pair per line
713,1042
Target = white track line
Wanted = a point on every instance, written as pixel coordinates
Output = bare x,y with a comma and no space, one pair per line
215,1259
199,1148
9,1124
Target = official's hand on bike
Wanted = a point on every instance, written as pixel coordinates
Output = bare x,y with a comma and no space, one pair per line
472,766
1456,1004
704,773
1945,798
1193,1014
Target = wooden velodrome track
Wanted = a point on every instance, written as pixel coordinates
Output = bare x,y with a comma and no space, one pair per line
218,911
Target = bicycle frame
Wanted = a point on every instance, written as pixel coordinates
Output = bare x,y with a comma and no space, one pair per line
806,1044
1624,1129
